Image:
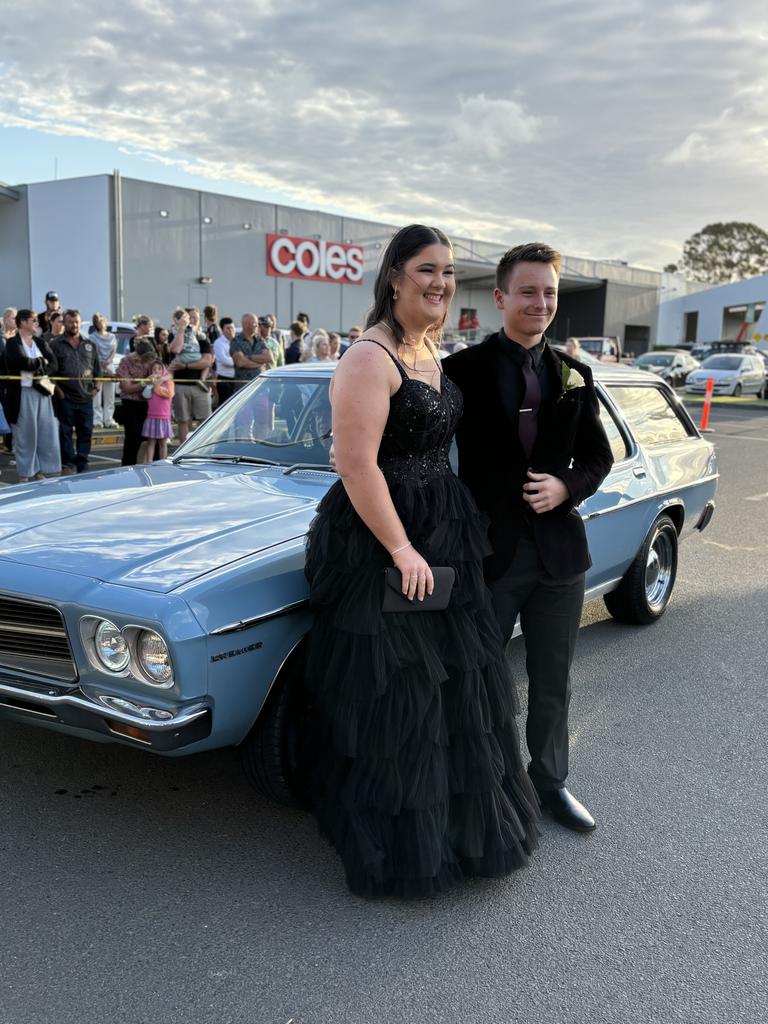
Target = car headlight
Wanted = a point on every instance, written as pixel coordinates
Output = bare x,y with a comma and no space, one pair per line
111,647
153,657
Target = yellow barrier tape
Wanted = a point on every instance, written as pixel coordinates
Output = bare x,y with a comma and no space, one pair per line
114,380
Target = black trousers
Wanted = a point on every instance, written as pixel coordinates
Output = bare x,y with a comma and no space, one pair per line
550,611
75,432
225,386
134,413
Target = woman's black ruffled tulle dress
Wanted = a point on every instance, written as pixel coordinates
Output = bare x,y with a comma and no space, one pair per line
417,774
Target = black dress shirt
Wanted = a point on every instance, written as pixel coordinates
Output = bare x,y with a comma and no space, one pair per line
509,368
510,374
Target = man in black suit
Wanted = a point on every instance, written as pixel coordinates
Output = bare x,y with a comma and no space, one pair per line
531,449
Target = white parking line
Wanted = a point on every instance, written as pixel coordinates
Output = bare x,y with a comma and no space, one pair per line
731,547
757,497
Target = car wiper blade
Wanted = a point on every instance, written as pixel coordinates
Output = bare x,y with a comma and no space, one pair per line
252,459
292,444
297,466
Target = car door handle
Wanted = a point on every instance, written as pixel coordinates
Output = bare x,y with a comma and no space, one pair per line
639,472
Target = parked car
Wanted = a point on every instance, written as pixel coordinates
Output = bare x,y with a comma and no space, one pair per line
178,625
606,348
123,331
584,356
763,353
733,375
702,349
672,367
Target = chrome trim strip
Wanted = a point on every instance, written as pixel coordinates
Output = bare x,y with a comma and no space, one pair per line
651,497
85,703
236,627
605,588
42,712
11,627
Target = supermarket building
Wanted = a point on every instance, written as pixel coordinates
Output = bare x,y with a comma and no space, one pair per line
124,246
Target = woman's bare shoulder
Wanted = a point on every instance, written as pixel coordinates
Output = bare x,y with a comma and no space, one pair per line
366,369
371,353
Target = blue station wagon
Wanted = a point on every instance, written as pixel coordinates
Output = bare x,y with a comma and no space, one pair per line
164,606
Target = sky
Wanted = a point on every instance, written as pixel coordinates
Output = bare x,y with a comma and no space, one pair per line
611,131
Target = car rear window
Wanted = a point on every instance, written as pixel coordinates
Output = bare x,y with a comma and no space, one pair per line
650,415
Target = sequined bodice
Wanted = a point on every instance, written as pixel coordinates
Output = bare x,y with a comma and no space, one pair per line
419,430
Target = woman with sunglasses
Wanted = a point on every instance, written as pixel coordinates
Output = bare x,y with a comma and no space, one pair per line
28,403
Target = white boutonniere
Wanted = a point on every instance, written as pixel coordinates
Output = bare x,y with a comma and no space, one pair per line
572,379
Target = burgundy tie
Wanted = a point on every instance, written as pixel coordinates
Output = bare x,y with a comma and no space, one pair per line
528,420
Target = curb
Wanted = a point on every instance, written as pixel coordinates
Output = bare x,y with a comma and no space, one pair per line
739,403
107,440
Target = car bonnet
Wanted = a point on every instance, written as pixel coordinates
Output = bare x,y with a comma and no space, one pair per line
153,527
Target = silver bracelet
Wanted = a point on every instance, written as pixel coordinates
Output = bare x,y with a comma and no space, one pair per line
400,548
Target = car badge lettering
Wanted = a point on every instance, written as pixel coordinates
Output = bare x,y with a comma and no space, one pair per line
236,652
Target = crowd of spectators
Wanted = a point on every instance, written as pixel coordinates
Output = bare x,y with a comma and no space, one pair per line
177,374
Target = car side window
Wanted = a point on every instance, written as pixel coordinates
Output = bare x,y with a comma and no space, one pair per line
650,415
617,441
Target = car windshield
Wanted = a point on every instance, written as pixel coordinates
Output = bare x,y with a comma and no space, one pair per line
722,363
282,419
654,359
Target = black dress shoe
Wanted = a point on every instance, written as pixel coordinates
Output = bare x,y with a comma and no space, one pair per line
565,808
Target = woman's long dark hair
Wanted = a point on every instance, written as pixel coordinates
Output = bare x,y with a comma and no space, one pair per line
404,245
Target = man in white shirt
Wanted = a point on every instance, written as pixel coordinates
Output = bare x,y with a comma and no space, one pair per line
225,366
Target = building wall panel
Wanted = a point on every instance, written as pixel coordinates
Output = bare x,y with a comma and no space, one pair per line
70,242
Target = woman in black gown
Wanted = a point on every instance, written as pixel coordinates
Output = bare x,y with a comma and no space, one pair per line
417,776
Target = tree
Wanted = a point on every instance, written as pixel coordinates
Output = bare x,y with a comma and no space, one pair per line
725,252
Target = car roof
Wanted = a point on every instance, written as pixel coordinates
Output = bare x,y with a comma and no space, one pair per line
612,372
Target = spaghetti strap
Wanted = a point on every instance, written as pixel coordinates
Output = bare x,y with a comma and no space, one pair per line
437,361
403,374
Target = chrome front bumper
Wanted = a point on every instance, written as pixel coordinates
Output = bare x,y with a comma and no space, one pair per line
108,714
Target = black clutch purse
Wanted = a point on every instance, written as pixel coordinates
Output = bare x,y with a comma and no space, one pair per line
396,601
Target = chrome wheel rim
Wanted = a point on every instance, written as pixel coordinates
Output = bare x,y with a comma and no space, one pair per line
659,570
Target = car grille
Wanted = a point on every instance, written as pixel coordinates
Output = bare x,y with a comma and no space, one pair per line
33,638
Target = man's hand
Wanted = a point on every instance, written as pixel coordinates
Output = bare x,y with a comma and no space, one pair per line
546,493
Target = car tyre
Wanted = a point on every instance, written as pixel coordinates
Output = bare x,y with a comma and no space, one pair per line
646,588
272,754
737,391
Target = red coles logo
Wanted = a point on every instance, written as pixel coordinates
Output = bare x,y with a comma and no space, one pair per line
314,260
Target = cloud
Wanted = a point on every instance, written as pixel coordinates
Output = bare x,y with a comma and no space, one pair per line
590,126
490,128
693,147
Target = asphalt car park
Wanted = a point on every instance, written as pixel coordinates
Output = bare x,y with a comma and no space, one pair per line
137,889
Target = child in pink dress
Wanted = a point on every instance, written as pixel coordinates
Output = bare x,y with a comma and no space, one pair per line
157,426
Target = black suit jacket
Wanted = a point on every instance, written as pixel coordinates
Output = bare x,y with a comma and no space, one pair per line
571,444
